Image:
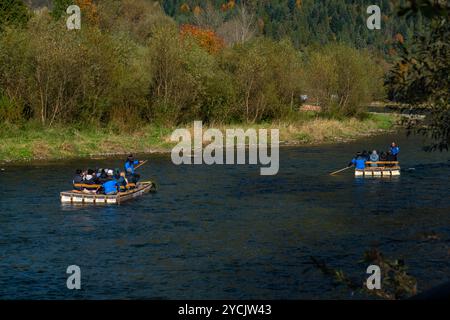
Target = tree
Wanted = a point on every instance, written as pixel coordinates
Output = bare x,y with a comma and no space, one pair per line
342,79
421,74
206,38
13,12
60,7
240,28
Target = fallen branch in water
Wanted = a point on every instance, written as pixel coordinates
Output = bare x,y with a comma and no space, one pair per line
395,281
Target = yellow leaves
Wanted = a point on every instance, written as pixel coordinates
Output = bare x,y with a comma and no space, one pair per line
89,10
298,4
197,11
185,8
230,5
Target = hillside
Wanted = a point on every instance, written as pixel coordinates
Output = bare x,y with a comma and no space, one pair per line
306,22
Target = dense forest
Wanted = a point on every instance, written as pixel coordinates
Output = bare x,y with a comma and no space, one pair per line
305,22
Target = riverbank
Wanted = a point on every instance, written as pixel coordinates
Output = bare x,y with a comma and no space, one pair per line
32,142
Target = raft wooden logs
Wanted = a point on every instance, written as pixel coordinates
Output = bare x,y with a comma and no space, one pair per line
382,162
98,186
80,197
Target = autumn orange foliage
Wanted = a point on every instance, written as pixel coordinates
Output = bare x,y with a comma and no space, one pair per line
89,10
206,38
399,38
229,5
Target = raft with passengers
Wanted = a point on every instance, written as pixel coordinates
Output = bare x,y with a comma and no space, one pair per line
107,186
375,164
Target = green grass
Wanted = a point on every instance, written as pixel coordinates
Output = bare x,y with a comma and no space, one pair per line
32,141
383,121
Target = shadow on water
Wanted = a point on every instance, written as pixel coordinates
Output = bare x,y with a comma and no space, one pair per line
225,231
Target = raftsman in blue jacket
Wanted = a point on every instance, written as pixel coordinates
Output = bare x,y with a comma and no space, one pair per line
129,166
111,187
359,162
395,150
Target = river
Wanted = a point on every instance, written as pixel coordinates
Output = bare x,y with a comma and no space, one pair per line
225,232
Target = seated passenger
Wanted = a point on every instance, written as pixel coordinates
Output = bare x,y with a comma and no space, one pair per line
365,155
390,157
78,179
124,177
102,177
383,156
374,158
121,180
110,187
90,177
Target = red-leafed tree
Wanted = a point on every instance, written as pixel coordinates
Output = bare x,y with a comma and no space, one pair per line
206,38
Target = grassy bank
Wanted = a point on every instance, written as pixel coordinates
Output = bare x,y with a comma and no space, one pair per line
32,142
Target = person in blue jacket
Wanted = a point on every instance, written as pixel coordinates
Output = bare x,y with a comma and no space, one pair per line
129,169
359,161
120,178
111,187
395,150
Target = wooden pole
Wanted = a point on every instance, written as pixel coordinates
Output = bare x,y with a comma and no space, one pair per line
141,164
336,172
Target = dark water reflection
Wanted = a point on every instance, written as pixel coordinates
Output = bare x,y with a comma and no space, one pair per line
225,231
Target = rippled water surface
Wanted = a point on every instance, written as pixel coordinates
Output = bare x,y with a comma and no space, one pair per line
225,231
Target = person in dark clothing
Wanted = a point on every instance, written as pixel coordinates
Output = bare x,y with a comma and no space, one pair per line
90,177
365,155
390,157
383,156
78,179
103,177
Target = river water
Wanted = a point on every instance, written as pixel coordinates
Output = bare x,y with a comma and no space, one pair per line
225,232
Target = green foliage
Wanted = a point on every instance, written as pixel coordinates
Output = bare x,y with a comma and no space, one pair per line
133,67
342,79
267,76
60,7
421,74
136,18
13,12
